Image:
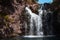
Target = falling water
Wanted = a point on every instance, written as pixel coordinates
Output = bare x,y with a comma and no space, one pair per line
35,22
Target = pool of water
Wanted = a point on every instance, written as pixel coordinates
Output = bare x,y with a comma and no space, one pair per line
41,38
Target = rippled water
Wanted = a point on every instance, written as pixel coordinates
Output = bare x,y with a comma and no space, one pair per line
41,38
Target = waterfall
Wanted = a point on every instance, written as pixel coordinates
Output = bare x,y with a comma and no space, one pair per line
35,22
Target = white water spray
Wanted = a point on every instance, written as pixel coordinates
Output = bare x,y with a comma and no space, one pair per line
35,22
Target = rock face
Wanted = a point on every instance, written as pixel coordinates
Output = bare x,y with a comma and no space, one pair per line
16,17
56,16
11,18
